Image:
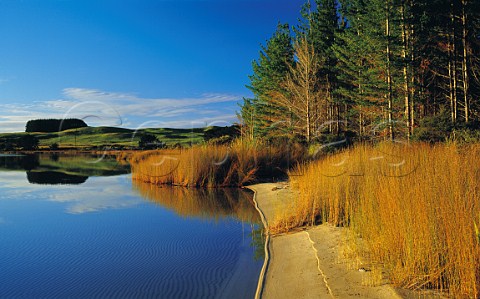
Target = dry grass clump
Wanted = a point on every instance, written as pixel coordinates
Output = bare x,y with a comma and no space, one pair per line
416,208
214,165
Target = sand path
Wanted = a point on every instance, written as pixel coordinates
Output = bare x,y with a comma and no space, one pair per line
308,263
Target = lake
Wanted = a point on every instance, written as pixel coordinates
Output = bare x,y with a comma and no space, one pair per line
77,227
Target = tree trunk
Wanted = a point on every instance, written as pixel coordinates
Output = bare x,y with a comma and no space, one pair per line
452,65
406,75
412,79
307,97
464,62
389,75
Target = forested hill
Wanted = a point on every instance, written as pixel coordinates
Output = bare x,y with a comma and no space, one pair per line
407,69
53,125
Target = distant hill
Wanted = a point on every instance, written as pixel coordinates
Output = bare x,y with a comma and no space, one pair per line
53,125
120,138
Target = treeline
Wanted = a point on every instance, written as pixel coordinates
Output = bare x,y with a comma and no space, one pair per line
394,68
53,125
23,142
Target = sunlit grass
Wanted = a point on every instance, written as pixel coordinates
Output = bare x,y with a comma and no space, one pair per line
414,207
106,137
238,164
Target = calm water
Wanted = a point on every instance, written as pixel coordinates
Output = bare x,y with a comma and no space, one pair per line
71,228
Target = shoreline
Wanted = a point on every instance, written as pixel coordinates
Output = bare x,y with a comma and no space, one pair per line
308,263
261,277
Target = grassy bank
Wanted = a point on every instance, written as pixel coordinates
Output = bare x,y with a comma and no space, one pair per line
214,165
415,209
119,138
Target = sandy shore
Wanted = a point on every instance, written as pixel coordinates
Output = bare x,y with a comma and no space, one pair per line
310,263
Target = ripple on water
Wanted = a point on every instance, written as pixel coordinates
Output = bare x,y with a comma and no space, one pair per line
113,264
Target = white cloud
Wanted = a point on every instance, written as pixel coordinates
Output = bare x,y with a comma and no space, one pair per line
101,108
129,104
13,117
15,186
90,201
220,120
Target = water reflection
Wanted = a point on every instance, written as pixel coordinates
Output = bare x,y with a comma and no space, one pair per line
202,203
209,204
54,178
19,162
68,169
109,239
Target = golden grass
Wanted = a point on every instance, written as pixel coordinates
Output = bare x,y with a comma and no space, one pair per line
214,165
415,209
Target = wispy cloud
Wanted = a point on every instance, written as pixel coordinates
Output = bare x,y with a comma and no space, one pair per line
101,108
13,117
129,104
4,80
91,201
116,193
220,120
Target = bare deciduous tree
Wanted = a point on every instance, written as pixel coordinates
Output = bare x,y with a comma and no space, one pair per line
302,95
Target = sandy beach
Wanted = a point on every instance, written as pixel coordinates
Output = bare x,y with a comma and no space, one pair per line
310,263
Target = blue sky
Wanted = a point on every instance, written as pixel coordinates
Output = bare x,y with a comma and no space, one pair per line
132,63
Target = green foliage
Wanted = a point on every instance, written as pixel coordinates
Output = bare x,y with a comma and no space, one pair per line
221,132
331,143
434,128
225,139
320,29
148,142
465,136
271,69
28,142
439,128
381,61
7,144
101,138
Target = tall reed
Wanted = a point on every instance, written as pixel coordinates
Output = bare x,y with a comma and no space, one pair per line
214,165
415,209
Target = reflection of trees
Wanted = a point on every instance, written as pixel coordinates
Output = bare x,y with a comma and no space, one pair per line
24,162
204,203
76,165
54,178
258,242
30,162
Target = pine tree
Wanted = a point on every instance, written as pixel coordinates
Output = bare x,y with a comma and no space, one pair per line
361,54
376,61
446,51
319,27
269,72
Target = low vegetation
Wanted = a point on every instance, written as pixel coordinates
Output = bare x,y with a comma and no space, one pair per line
215,165
414,208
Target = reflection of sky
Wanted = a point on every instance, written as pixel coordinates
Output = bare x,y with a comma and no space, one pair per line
98,193
52,245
